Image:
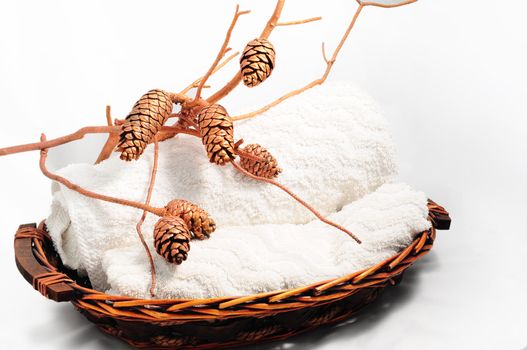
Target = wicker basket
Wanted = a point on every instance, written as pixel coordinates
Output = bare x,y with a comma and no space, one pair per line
220,322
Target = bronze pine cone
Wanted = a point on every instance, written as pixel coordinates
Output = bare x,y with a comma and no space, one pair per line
257,62
216,129
267,168
172,239
144,121
197,219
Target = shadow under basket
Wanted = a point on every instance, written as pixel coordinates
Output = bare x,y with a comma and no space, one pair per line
218,322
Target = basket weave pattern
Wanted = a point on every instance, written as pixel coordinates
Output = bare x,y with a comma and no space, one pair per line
216,322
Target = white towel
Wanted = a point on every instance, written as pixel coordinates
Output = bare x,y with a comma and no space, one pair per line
331,142
250,259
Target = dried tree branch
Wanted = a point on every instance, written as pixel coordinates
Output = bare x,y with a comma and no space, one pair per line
329,62
324,53
302,21
220,66
271,23
179,130
195,84
298,199
222,52
376,4
112,140
319,81
108,147
143,217
88,193
269,27
79,134
245,154
109,120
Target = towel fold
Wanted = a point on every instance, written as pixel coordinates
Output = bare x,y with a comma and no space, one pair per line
250,259
332,143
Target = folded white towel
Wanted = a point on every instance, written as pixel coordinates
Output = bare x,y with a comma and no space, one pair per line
249,259
331,142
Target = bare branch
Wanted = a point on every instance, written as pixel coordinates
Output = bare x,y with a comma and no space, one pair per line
298,199
319,81
109,116
222,52
271,23
302,21
231,85
324,53
376,4
245,154
112,140
220,66
87,193
143,217
79,134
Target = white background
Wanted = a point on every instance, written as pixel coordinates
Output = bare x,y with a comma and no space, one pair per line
450,75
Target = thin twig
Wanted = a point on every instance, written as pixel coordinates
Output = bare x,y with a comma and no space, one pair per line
319,81
79,134
189,121
220,66
298,199
109,116
222,52
87,193
376,4
143,217
302,21
180,130
245,154
112,140
231,85
324,53
271,23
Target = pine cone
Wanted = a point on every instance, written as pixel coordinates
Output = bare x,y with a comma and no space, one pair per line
257,62
216,130
267,168
144,121
198,220
172,239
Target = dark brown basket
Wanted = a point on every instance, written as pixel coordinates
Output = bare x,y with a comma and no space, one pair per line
219,322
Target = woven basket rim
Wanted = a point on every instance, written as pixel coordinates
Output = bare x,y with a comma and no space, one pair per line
317,293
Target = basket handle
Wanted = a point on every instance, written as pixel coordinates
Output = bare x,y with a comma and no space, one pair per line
50,283
438,215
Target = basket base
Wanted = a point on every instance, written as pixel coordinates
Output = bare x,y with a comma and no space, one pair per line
216,323
218,334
